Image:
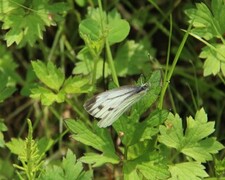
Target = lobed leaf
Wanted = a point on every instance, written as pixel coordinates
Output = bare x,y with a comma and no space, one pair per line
100,139
194,142
49,75
70,169
187,170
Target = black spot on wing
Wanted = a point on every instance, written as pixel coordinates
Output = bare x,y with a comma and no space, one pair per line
110,109
100,107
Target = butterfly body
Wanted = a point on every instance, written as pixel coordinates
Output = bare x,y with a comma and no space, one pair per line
111,104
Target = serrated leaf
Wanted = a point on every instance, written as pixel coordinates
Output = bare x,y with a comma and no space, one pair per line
98,160
148,128
47,96
187,171
54,172
151,165
15,146
152,171
98,139
71,169
220,166
208,23
77,85
202,151
26,26
214,59
8,66
49,75
194,142
130,172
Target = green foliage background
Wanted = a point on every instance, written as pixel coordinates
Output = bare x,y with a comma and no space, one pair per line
57,54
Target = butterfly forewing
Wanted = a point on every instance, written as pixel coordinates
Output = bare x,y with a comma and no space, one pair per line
111,104
107,99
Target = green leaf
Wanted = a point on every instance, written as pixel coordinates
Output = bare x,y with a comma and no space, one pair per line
149,127
129,172
15,146
3,128
8,66
97,138
25,25
220,166
71,169
153,171
6,90
49,75
154,89
98,160
131,58
44,144
151,165
91,28
86,64
54,172
118,31
214,59
195,142
115,29
187,170
7,170
208,23
47,96
29,82
81,3
77,85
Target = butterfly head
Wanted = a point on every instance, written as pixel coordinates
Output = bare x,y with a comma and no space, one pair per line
143,88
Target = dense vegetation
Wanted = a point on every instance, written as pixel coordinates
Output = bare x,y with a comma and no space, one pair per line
57,54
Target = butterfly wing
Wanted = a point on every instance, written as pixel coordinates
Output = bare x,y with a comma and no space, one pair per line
110,105
111,116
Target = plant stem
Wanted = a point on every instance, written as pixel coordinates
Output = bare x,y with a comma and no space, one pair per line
111,64
172,68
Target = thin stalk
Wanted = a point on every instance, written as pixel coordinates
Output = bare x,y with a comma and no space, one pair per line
170,73
111,64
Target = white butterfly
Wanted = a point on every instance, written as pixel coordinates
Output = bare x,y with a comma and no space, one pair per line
111,104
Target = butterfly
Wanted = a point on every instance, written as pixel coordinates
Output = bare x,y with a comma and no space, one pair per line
108,106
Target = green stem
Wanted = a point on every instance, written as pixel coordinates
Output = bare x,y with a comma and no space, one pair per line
170,73
111,64
55,43
29,149
108,51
